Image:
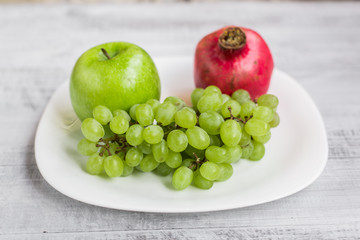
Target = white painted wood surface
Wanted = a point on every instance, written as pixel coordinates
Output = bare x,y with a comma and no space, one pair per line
317,43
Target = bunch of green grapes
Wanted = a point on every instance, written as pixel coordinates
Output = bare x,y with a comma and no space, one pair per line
197,144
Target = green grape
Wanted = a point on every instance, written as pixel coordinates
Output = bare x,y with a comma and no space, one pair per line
258,151
230,133
148,163
154,103
191,109
210,171
153,134
86,148
160,151
145,147
268,100
190,151
198,138
195,97
263,113
163,169
263,139
124,114
95,164
113,166
182,178
132,111
247,109
187,162
165,113
209,102
174,159
186,118
133,157
212,89
144,114
177,140
177,102
119,125
247,150
215,140
211,122
134,135
241,96
276,120
245,139
234,108
226,171
92,130
233,153
102,114
256,127
121,154
137,168
225,98
216,154
128,170
201,182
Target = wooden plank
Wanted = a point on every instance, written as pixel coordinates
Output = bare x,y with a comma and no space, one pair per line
296,233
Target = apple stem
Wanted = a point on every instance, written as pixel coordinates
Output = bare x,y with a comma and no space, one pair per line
105,53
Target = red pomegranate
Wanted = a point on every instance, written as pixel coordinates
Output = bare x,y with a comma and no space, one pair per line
234,58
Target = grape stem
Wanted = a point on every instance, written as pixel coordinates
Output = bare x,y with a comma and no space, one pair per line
104,147
197,162
104,144
239,119
197,158
193,166
123,145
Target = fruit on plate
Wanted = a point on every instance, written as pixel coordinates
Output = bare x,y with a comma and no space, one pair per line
234,58
198,145
116,75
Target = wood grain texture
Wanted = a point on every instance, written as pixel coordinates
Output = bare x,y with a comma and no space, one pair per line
317,43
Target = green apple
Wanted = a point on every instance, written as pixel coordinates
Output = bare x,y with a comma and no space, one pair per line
117,75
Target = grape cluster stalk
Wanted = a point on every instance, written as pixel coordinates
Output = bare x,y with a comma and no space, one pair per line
197,144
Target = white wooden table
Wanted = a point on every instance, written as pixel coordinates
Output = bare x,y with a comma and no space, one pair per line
317,43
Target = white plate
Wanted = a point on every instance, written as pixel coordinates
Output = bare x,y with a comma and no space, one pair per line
295,156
